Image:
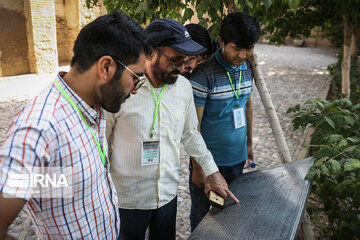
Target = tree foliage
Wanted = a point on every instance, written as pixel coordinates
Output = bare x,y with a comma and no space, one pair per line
336,171
280,18
280,21
209,12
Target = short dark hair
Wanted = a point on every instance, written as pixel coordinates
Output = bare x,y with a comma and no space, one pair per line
200,35
113,34
240,28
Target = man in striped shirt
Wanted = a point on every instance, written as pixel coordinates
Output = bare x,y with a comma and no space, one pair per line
222,87
64,127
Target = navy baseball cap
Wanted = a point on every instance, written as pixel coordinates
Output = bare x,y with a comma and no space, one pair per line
168,32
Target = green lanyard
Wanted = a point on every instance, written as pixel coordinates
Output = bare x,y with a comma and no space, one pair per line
238,92
66,96
157,102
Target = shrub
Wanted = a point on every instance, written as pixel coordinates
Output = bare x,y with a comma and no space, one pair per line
336,171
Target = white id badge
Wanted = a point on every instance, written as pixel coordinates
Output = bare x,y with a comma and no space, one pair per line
150,153
239,117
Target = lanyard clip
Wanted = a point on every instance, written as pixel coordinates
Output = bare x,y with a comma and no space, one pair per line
152,132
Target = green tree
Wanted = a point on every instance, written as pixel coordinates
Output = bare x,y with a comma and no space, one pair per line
279,21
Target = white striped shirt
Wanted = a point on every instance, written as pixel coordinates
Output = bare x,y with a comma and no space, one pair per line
152,186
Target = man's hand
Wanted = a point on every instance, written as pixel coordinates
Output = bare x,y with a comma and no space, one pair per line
247,163
8,237
250,156
250,152
9,209
198,175
217,183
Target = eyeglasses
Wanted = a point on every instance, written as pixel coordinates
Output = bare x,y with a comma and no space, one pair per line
175,64
140,79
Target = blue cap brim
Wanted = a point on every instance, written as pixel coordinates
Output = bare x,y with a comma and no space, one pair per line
189,47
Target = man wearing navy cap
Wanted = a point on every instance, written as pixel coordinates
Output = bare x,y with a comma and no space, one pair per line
146,136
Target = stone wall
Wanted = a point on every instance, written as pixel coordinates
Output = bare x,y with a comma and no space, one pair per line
42,25
35,35
88,15
13,41
61,30
73,27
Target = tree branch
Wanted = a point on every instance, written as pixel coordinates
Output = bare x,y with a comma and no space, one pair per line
283,148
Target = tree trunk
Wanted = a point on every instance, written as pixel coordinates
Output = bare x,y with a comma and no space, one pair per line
353,41
231,6
305,231
283,149
345,66
354,56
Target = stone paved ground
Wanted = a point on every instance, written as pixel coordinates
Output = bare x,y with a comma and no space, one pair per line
292,75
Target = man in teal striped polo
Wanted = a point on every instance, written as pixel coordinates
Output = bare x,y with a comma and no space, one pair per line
222,87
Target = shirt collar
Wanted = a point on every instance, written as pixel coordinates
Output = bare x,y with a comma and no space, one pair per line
92,115
222,62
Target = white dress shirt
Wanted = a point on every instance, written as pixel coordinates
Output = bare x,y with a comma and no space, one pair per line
152,186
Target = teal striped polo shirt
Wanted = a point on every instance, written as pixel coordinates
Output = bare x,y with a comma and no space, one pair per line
212,89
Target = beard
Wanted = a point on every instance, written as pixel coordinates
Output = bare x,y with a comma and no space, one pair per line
164,76
171,77
112,96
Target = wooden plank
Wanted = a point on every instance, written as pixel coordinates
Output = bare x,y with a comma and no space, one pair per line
271,204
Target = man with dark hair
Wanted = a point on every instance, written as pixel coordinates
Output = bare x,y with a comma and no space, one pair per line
222,87
200,35
146,135
64,127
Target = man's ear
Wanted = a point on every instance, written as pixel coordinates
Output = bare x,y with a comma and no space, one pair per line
150,56
221,42
106,68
